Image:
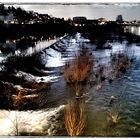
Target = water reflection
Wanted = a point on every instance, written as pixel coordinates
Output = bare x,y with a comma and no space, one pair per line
28,44
134,30
40,45
47,63
138,31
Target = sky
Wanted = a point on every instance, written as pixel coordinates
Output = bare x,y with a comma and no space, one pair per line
109,11
66,1
91,10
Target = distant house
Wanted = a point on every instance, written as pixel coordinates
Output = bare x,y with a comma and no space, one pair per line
79,21
102,21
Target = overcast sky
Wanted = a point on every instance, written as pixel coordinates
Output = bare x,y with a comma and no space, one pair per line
91,11
66,1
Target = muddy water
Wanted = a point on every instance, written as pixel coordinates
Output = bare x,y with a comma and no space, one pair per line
113,109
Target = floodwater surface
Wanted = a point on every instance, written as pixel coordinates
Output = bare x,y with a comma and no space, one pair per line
111,110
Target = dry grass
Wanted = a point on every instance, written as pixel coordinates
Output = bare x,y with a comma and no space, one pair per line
18,99
24,96
75,118
21,98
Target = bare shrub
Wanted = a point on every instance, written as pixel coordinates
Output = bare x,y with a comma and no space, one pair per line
120,62
114,116
79,69
75,117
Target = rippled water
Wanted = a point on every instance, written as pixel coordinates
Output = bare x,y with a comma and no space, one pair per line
124,90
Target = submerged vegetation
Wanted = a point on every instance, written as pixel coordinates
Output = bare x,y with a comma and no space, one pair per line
120,62
52,90
78,71
75,117
23,86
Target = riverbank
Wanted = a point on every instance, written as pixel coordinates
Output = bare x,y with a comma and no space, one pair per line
47,122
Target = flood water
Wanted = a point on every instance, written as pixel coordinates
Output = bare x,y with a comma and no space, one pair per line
124,90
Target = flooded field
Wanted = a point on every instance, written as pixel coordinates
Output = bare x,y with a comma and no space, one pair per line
37,99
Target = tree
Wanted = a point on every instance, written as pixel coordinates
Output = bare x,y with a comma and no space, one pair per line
20,15
2,8
119,19
3,11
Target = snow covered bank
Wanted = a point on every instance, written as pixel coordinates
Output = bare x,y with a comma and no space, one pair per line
42,122
30,77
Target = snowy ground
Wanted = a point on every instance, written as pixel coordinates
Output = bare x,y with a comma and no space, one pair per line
38,122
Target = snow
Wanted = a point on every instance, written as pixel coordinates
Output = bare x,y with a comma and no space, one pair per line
29,121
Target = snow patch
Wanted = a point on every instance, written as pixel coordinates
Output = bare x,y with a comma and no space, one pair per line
30,121
38,79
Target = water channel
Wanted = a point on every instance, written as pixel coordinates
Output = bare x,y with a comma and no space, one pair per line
54,53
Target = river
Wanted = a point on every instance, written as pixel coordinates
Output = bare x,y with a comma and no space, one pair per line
100,113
